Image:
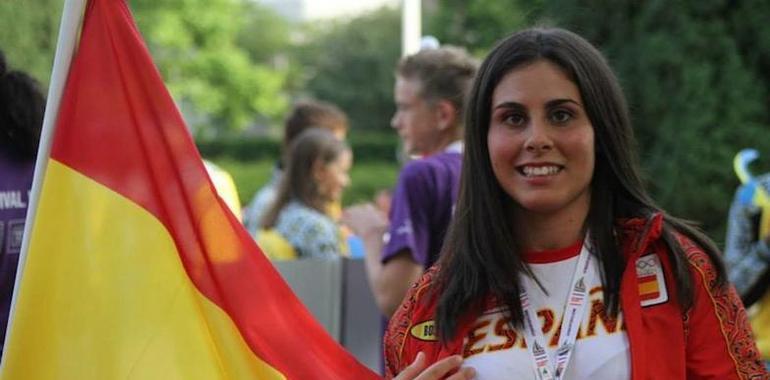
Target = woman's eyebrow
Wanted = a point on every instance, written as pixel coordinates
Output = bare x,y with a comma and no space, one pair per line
558,102
510,105
549,104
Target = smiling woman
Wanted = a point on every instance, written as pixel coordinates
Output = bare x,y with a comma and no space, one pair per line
541,146
557,264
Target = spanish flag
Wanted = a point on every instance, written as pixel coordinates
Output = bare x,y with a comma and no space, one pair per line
648,288
135,268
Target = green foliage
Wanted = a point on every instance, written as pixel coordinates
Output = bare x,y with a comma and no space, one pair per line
28,35
367,147
218,83
375,146
475,25
695,74
264,34
242,149
366,178
351,65
215,55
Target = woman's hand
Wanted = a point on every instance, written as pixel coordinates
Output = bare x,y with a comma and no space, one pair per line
439,369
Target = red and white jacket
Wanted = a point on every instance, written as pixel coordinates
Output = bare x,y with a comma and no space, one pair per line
712,340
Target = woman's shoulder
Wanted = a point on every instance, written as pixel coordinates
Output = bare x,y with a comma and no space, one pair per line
312,233
416,303
699,260
297,212
298,221
417,307
643,236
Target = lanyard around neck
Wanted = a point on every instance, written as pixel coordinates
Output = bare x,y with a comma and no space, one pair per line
571,318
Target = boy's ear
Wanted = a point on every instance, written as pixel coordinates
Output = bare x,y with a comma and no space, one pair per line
446,114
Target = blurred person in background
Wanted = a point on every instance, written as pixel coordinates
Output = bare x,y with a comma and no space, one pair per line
225,186
304,114
429,94
316,174
747,247
22,105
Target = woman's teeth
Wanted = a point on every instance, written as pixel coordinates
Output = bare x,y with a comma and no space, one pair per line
535,171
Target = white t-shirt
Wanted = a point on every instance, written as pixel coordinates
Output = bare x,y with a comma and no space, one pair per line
601,350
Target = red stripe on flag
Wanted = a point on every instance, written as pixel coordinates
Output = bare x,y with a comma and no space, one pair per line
119,126
646,279
648,287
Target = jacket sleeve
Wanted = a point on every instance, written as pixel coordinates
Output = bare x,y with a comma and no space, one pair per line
719,341
398,354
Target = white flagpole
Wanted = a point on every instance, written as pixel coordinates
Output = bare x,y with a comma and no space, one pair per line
411,26
69,29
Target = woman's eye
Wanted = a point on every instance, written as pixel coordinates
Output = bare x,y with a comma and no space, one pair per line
560,116
515,119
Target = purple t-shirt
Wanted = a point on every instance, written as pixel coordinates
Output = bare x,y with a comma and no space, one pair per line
15,184
422,206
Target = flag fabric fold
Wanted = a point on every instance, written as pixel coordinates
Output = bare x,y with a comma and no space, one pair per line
136,269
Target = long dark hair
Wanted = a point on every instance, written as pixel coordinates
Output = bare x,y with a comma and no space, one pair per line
312,146
22,105
481,255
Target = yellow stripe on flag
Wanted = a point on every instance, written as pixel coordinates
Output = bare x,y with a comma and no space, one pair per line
648,287
135,291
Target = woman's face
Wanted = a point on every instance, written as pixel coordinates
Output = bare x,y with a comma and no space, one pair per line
541,142
333,177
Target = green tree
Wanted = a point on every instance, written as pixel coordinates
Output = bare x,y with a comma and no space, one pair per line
195,44
475,25
28,35
265,34
351,64
216,56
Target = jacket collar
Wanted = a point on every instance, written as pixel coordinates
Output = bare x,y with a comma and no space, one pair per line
637,234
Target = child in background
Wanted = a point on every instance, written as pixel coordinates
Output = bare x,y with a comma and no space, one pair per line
305,114
316,174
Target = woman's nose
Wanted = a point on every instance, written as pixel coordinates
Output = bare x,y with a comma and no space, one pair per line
539,138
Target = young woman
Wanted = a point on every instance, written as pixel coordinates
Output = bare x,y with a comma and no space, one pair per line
303,115
316,175
558,264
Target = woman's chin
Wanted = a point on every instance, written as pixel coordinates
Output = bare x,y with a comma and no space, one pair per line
541,206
